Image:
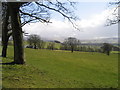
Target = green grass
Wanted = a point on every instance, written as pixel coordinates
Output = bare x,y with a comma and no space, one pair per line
57,45
115,52
61,69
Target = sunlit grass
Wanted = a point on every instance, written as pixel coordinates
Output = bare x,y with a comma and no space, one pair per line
115,52
62,69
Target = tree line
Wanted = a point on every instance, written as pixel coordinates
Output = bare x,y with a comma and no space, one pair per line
71,44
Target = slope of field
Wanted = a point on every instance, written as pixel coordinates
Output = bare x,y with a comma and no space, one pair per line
61,69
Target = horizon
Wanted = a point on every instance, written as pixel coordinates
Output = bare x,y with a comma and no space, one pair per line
111,40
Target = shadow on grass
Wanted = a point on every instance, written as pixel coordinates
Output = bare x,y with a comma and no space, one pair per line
9,63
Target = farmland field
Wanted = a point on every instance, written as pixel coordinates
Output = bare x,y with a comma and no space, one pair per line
61,69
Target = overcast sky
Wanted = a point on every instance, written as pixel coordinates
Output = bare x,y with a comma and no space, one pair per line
92,22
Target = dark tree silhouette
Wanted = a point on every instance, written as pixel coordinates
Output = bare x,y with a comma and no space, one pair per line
106,48
51,46
71,42
16,32
6,29
35,41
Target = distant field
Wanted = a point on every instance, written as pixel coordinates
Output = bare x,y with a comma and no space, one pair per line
61,69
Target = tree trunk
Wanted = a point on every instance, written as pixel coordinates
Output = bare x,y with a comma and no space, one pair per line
35,46
17,33
4,48
108,53
5,38
72,49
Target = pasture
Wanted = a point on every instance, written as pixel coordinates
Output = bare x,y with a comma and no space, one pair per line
61,69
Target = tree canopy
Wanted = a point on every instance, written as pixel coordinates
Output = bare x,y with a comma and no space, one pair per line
107,48
35,41
71,42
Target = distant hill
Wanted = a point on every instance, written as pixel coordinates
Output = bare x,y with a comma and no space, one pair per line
102,40
87,41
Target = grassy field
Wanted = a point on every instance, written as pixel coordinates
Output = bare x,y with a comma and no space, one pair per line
61,69
115,52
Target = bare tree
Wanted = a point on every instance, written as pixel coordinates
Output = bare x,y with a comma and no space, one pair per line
41,44
35,41
6,30
16,32
72,43
40,11
51,46
115,14
106,48
22,13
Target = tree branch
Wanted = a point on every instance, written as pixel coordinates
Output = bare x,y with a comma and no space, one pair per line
54,10
22,24
41,20
70,18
